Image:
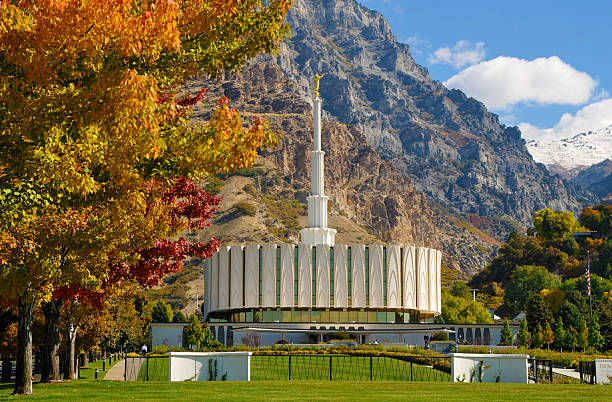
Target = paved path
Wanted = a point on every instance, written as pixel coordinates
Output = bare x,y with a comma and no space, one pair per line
567,372
116,372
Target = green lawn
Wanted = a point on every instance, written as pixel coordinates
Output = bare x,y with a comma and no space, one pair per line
351,368
88,372
311,390
316,367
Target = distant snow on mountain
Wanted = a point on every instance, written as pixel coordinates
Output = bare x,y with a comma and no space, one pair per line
575,153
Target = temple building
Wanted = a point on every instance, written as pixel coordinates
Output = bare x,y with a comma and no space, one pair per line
303,293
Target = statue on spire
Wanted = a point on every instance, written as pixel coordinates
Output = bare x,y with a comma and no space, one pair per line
316,80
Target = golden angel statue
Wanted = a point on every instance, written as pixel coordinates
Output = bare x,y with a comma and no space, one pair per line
316,80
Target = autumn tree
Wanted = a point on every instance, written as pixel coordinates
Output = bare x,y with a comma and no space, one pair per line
551,224
89,122
548,335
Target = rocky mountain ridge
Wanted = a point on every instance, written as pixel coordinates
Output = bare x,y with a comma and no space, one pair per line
370,200
453,149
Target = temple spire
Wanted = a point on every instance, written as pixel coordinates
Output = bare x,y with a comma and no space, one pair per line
317,231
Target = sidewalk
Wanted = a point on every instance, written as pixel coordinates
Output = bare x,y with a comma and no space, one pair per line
116,372
567,372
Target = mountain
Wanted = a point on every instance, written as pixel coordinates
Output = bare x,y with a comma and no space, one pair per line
456,152
576,153
597,178
371,202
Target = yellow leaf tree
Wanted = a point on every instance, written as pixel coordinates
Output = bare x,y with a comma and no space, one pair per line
89,123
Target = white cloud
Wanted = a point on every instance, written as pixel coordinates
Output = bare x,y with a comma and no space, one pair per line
591,117
503,82
462,54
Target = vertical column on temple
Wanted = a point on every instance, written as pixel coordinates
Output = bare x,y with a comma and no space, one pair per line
317,231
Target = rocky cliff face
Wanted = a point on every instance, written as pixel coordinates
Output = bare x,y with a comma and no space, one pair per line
370,200
450,145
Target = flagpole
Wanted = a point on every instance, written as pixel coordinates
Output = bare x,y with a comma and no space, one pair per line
589,282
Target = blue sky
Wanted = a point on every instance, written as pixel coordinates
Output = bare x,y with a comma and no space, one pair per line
543,65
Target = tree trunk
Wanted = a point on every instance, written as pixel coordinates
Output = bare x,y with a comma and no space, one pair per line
51,364
70,372
23,378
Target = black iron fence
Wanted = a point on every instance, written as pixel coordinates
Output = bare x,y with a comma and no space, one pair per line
146,368
587,372
540,370
350,368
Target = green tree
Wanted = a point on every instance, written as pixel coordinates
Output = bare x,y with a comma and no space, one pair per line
457,310
538,337
571,339
160,311
570,314
524,337
506,334
461,289
526,281
583,336
595,339
179,316
537,312
548,335
196,334
551,224
560,334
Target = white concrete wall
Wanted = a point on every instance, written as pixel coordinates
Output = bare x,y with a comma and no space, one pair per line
340,276
251,275
287,275
376,276
409,277
358,294
194,366
232,277
323,278
169,334
603,371
394,286
268,273
224,271
509,368
305,275
236,277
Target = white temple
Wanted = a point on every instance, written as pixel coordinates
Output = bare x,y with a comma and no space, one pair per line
317,231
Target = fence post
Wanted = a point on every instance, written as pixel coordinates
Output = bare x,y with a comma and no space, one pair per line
290,367
330,368
125,370
104,365
147,368
370,368
410,370
550,372
96,374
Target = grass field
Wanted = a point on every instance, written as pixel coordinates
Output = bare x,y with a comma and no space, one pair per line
92,390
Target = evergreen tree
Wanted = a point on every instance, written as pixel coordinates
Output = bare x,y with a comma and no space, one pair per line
538,337
524,336
506,334
179,316
571,339
560,334
194,333
583,336
549,336
161,311
595,338
537,312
